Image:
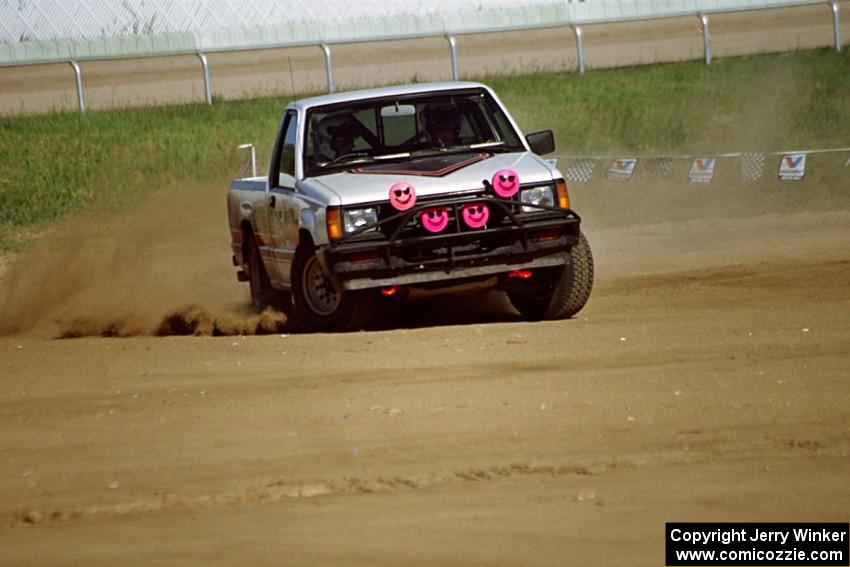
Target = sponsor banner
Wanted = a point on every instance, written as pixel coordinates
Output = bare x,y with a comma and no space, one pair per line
792,167
702,170
621,169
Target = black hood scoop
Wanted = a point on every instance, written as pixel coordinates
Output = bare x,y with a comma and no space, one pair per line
431,166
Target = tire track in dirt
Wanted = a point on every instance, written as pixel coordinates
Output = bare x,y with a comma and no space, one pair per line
693,453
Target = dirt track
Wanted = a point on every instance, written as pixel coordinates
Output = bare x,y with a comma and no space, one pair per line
705,381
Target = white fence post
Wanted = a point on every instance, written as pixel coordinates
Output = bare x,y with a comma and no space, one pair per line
78,75
580,48
328,66
836,23
453,47
706,37
207,84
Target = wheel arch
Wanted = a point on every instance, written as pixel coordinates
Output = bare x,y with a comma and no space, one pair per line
305,237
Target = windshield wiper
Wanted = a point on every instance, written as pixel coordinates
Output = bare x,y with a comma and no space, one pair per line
361,157
353,157
459,148
495,144
393,156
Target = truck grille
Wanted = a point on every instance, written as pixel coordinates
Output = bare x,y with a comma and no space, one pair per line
409,237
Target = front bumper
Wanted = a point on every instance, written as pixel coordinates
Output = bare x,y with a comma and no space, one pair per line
394,252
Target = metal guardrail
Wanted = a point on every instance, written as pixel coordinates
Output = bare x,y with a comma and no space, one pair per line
197,35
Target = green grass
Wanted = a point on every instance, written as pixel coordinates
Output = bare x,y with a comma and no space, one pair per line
60,163
56,164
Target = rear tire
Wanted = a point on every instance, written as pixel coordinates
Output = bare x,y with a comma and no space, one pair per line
263,295
560,292
317,301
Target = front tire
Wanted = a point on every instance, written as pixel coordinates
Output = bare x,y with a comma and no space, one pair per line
560,292
318,301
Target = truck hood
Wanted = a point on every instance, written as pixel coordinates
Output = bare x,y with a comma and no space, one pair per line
429,176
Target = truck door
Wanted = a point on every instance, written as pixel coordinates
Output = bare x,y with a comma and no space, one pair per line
284,204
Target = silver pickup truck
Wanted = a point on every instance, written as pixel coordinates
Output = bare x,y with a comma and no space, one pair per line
406,190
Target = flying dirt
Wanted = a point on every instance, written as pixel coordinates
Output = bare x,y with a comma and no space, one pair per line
133,273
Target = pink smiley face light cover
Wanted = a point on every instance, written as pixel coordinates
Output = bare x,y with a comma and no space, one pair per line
434,220
505,183
475,215
402,196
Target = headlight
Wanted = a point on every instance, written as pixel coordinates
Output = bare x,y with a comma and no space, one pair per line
542,196
356,218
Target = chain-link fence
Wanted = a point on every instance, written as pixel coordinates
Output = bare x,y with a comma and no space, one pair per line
35,32
28,20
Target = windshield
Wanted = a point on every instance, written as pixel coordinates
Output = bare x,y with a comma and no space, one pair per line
409,126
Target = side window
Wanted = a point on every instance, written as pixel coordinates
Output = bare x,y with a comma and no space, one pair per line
503,126
287,151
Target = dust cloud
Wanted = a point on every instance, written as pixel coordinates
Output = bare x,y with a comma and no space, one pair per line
162,267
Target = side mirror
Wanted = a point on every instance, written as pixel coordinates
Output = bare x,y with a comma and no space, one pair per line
542,142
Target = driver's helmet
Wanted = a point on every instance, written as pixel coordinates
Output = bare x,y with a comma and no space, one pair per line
336,134
441,123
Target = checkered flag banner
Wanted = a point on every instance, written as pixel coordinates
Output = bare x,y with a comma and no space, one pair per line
752,166
660,166
580,170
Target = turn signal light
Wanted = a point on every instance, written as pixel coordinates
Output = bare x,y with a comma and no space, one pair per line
563,194
334,221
